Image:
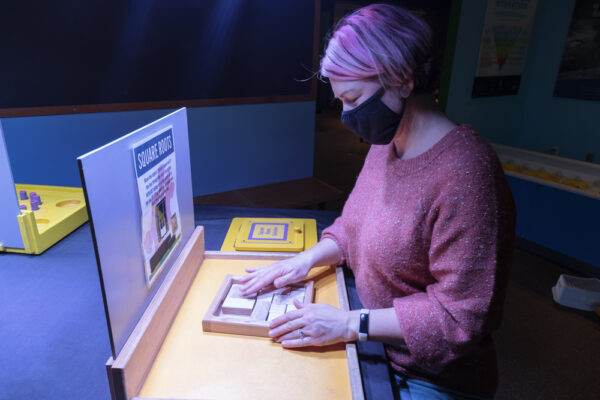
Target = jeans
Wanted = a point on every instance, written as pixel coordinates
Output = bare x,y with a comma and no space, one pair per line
414,389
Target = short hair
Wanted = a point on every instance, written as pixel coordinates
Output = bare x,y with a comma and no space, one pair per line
383,42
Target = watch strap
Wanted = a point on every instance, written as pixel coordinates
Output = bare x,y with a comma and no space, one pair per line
363,327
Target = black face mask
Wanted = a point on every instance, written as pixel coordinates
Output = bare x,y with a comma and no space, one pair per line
372,120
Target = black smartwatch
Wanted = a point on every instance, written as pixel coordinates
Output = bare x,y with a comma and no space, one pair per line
363,327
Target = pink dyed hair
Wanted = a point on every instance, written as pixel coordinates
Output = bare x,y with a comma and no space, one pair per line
383,42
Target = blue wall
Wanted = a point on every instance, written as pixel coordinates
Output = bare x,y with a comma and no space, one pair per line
570,124
533,119
231,147
557,219
499,119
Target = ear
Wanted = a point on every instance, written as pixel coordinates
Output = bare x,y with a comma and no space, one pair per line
407,89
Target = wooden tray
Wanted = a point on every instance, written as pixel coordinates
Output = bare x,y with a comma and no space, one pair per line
218,320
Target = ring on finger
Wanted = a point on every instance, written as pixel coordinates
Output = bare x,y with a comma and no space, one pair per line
302,335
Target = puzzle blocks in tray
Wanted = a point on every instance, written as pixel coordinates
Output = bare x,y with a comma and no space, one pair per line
233,312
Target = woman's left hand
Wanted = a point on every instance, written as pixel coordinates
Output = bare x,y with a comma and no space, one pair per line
313,325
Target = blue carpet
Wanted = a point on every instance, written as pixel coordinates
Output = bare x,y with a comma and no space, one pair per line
53,335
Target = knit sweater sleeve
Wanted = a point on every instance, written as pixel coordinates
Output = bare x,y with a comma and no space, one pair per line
337,233
472,234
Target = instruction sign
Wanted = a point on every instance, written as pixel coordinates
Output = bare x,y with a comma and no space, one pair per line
154,162
504,42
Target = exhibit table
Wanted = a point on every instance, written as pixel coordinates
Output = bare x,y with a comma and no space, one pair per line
52,313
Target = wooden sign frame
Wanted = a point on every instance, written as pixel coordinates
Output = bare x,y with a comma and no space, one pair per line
128,372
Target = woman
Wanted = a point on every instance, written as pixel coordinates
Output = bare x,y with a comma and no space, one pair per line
428,229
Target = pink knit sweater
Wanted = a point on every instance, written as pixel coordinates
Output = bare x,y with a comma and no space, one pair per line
433,237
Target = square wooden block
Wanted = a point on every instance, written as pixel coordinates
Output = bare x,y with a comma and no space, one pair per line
232,312
237,306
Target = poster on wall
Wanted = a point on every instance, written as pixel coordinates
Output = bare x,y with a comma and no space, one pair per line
154,162
579,72
506,34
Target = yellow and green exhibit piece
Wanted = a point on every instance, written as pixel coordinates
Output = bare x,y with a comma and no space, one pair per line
57,212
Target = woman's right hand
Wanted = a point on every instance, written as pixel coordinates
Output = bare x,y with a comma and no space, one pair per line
279,274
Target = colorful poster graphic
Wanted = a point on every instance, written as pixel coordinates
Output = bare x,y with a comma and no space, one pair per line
579,73
154,161
506,34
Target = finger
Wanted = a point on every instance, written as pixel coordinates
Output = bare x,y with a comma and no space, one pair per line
287,327
245,278
282,319
249,277
293,343
299,305
248,280
284,280
251,287
253,269
257,283
295,334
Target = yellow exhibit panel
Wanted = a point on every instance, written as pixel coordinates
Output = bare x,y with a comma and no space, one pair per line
60,211
270,234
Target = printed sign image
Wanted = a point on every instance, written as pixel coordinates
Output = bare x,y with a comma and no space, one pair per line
579,74
504,42
154,161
